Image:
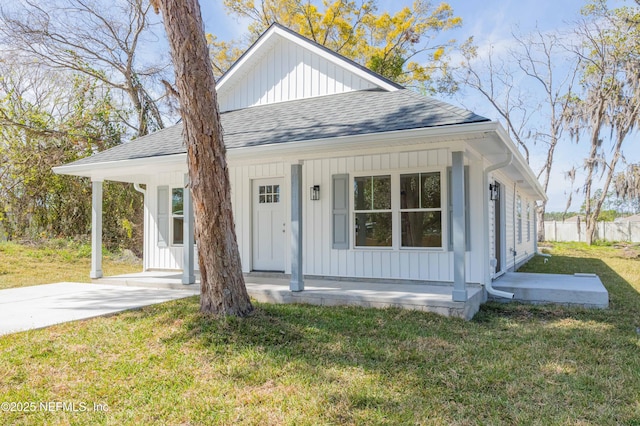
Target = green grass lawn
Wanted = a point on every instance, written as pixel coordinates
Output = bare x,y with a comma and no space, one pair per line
308,365
57,261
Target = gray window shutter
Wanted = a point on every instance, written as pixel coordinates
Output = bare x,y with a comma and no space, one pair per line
340,216
467,217
163,216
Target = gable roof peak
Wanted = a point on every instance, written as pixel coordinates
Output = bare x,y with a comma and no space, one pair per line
271,35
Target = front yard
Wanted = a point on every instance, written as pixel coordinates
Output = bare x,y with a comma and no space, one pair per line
288,364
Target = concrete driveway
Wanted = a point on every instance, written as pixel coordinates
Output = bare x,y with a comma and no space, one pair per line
39,306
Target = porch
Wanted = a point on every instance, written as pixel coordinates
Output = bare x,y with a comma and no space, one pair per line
274,288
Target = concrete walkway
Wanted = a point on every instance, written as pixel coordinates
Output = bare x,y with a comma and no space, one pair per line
39,306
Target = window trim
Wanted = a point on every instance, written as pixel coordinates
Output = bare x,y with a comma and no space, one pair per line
422,209
529,209
373,211
518,202
172,216
396,233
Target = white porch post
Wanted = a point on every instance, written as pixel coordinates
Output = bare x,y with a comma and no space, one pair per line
459,237
297,279
188,276
96,229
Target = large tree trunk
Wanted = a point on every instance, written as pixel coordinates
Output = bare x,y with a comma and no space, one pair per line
223,290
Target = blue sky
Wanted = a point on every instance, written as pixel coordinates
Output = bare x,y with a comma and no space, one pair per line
490,22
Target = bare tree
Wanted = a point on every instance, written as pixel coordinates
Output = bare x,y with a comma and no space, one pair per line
223,290
97,38
532,63
610,103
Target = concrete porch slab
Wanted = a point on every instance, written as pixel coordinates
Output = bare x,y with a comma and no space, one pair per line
584,290
275,289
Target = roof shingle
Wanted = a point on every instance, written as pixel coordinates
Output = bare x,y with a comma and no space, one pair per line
346,114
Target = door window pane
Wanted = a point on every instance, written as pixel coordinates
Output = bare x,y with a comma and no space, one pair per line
268,194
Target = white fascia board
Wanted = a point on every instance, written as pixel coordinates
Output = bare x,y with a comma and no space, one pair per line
305,148
301,41
104,169
521,164
247,57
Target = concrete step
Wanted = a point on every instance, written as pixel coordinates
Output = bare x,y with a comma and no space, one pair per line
584,290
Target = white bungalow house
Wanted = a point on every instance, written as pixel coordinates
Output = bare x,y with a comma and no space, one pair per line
337,172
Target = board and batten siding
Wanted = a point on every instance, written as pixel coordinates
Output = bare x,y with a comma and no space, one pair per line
288,72
157,257
170,257
242,178
524,249
320,259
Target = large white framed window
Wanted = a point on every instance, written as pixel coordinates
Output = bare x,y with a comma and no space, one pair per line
421,209
177,216
401,210
373,211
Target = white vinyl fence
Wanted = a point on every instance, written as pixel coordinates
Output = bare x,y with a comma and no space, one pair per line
605,231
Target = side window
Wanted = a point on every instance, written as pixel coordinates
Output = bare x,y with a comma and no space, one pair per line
519,218
372,209
177,216
421,210
528,221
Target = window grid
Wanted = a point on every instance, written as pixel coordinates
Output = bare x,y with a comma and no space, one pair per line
426,214
177,216
268,194
373,217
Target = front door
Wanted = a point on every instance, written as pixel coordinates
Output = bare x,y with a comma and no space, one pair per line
269,226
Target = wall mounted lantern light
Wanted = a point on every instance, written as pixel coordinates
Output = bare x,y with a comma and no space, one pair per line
494,191
315,192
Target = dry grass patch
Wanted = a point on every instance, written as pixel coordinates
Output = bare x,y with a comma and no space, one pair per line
59,261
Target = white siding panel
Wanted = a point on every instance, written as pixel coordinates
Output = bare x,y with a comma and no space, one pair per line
288,72
319,257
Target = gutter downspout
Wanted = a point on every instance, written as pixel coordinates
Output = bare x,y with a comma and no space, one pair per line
485,180
136,186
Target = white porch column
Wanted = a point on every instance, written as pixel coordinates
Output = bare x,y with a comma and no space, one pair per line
297,279
188,276
96,229
459,245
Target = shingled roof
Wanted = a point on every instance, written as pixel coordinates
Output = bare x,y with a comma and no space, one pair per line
346,114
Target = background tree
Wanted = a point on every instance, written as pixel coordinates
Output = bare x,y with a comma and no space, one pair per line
47,119
223,290
387,44
610,100
531,91
627,189
98,38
